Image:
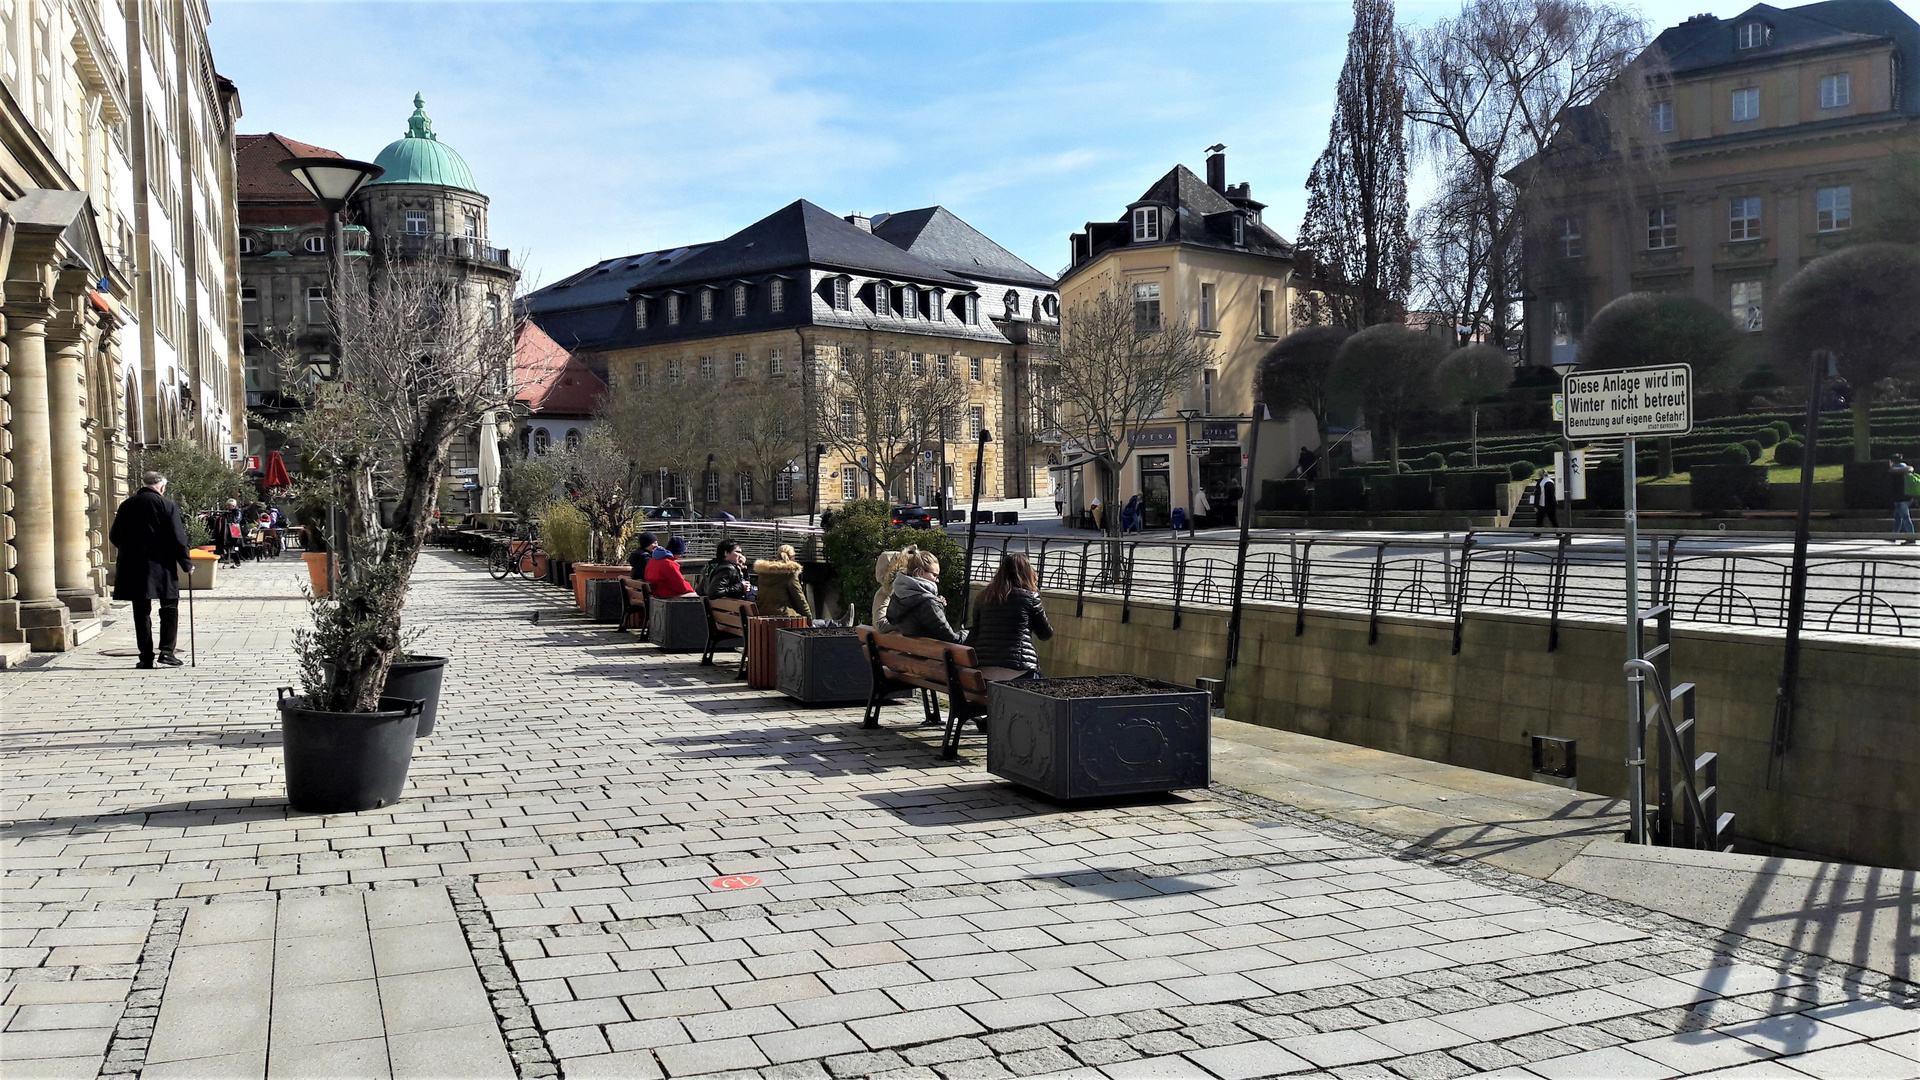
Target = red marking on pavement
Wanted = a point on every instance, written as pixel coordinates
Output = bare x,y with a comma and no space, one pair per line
738,881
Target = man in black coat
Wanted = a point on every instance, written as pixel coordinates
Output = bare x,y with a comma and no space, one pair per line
152,545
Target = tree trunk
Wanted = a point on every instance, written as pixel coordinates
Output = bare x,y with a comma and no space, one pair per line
1393,448
1320,466
1665,445
1113,562
1862,423
1473,428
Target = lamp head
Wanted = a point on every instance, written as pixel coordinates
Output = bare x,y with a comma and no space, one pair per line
332,181
985,436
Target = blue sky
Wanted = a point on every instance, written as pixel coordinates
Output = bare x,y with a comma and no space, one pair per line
604,129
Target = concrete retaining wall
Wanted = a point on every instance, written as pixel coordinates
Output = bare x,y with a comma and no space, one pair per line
1850,788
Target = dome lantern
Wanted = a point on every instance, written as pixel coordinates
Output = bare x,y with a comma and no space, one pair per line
421,158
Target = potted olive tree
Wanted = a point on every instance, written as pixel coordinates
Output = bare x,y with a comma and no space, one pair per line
422,357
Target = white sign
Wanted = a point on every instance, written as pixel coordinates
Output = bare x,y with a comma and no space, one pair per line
1571,476
236,453
1362,442
466,472
1629,401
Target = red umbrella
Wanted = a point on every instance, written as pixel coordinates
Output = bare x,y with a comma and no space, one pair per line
277,477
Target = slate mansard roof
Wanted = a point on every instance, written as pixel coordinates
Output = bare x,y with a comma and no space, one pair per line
594,308
1199,216
1703,43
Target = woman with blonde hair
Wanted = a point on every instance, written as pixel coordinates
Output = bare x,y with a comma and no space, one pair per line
915,607
779,581
1008,616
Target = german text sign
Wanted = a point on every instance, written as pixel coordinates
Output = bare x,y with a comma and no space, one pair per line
1630,401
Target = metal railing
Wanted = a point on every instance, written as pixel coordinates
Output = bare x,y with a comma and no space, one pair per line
1707,578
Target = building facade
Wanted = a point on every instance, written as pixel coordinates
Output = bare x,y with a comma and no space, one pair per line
1767,140
120,270
1196,251
788,303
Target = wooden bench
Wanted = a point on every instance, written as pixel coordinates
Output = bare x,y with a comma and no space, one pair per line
633,605
932,667
728,618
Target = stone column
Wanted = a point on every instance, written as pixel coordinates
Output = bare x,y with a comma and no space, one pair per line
66,420
45,620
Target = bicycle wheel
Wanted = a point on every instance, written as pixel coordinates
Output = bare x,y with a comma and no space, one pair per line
499,562
526,560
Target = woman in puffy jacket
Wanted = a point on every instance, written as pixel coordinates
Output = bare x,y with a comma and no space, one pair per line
915,607
663,571
1007,617
780,591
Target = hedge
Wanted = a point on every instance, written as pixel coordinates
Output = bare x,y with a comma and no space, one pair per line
1340,495
1869,485
1468,491
1729,487
1292,495
1398,493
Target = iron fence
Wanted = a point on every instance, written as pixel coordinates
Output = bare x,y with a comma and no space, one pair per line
1709,579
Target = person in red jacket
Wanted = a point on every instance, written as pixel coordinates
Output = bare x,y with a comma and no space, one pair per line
663,571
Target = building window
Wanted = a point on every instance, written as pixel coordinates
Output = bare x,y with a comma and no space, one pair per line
1206,391
849,483
1239,231
493,310
783,482
246,245
739,301
416,223
739,365
847,425
1833,208
976,419
909,302
1751,35
1560,315
672,305
706,368
918,365
250,308
1206,306
1746,306
1660,116
1146,224
776,296
1266,312
673,370
542,441
973,368
1663,227
882,298
841,301
640,314
943,365
1573,245
713,486
1836,90
640,375
706,305
846,362
473,226
573,438
777,363
1746,104
1743,218
746,488
315,244
316,304
886,362
1146,307
972,309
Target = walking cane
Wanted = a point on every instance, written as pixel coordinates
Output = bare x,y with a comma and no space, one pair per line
193,643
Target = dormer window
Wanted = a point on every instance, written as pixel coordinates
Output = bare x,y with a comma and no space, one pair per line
672,304
909,302
1752,35
1146,224
776,296
971,309
1012,301
1836,91
1239,231
937,305
706,305
246,245
640,314
739,301
882,298
315,244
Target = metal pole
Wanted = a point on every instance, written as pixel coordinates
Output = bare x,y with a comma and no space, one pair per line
1797,594
1246,523
973,518
339,557
193,639
1636,727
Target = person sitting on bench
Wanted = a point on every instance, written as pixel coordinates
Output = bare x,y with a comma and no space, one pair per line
663,571
643,549
916,608
1007,617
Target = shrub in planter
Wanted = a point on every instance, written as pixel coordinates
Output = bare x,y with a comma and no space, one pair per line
863,529
1766,437
1732,454
1728,487
1522,470
1386,494
1339,495
565,533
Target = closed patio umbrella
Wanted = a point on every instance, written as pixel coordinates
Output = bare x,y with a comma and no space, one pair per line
489,478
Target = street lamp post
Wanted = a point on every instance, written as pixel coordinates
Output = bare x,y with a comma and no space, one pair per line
708,481
1566,455
973,517
1186,416
333,181
813,487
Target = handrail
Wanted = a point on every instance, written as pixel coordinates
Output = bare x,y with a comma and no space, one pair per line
1646,670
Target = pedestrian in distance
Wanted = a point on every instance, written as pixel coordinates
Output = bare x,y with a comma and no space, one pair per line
663,570
1546,508
726,576
232,530
153,548
1008,616
1908,490
780,590
1303,468
915,607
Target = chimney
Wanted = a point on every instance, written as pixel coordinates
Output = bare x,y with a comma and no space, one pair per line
861,222
1217,167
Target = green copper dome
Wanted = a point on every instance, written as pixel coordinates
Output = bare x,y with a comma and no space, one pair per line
421,158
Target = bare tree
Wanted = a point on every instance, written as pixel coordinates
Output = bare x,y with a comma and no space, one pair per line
1470,376
1388,371
599,476
421,360
882,406
1488,92
1356,222
771,430
665,423
1117,372
1295,375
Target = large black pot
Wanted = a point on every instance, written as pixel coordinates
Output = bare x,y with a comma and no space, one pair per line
418,679
1155,738
822,667
678,624
342,762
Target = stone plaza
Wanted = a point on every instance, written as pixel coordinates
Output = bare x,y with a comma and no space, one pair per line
549,898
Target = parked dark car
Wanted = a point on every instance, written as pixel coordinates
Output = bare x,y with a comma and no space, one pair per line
673,512
917,517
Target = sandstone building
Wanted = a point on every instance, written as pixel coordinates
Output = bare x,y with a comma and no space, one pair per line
117,248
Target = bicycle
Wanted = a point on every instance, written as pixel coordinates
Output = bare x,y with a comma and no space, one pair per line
509,556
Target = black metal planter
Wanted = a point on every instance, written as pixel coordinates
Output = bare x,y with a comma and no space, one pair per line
343,762
1096,746
825,666
678,624
419,679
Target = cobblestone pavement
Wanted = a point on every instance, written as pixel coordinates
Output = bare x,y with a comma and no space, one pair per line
914,919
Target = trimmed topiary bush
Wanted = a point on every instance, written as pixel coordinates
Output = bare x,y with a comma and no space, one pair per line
1521,470
1732,454
1785,429
1766,436
1789,452
1433,462
1752,447
1459,459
